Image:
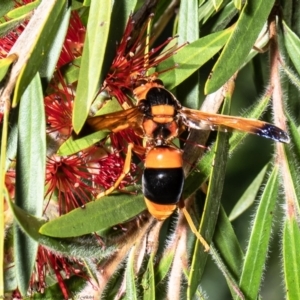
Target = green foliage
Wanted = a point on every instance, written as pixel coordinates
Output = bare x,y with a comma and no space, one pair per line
236,52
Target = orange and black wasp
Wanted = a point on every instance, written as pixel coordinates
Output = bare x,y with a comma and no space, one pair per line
159,117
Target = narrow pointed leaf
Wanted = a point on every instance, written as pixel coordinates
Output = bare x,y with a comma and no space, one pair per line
42,30
31,153
291,242
250,23
256,254
6,6
131,291
12,140
295,135
211,209
206,11
30,174
225,16
191,57
107,21
248,198
91,61
148,282
23,10
97,215
72,145
71,72
238,4
292,44
217,4
227,244
49,63
31,226
7,26
164,266
5,64
188,30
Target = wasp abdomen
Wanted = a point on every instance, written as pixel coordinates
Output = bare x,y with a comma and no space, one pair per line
163,180
163,186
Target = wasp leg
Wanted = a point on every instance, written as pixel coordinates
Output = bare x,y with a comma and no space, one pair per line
126,169
193,228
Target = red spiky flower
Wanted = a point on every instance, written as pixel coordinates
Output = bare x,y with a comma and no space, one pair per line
48,263
78,179
73,45
58,107
132,62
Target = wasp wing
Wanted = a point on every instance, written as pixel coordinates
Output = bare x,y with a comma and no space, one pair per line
116,121
207,121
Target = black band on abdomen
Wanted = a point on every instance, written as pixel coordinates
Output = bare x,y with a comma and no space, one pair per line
163,186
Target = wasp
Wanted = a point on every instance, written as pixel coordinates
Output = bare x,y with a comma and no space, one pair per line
159,117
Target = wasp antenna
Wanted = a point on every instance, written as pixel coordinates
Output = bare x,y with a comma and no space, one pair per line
194,230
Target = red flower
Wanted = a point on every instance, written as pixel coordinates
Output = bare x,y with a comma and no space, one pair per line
74,40
78,179
131,63
58,107
47,263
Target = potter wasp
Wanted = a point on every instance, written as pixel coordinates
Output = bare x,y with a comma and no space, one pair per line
159,117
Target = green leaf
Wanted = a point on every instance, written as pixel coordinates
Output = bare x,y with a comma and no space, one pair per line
291,262
211,208
97,215
7,26
23,10
228,245
148,282
217,4
223,18
248,198
191,57
256,254
84,247
10,283
31,153
163,268
91,61
292,173
206,11
49,63
97,52
247,29
238,4
74,145
294,78
232,283
131,291
6,6
295,135
5,64
71,72
30,174
42,30
12,140
292,44
188,30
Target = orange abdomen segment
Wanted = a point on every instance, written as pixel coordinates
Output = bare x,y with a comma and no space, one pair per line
164,157
159,211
